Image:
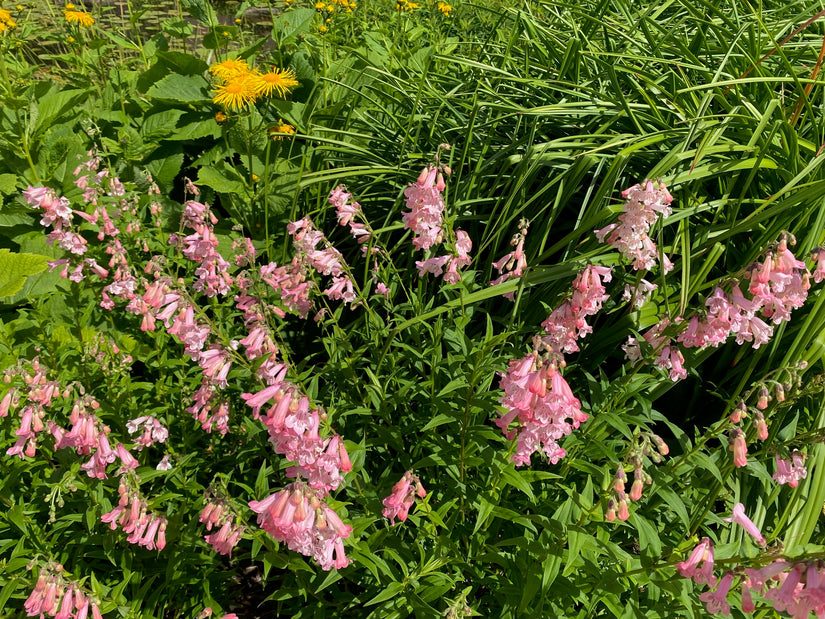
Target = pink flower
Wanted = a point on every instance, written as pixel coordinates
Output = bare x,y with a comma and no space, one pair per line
790,472
426,208
399,502
819,272
703,553
630,234
739,448
716,601
738,516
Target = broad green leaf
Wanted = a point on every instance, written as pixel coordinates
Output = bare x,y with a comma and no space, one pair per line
15,268
292,23
174,88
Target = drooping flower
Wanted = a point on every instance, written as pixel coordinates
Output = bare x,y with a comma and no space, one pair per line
630,235
295,515
426,208
703,553
790,472
716,601
399,502
738,516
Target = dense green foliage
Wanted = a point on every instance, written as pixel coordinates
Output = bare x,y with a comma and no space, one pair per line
550,111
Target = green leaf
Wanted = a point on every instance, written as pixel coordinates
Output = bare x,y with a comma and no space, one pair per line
159,125
9,588
292,23
8,184
166,169
176,88
648,536
15,268
221,181
179,28
202,11
52,105
393,589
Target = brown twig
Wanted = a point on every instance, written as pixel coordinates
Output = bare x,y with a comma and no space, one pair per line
775,49
808,87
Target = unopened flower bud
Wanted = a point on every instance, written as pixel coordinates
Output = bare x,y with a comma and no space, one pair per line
764,398
610,514
779,392
661,445
761,427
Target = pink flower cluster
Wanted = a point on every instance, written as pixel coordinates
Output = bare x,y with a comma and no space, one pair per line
54,595
536,395
402,497
638,294
326,261
87,433
699,566
644,203
790,471
297,516
425,219
260,341
538,398
219,514
58,214
777,285
39,392
461,258
293,427
152,431
512,265
567,323
291,281
668,355
347,211
426,208
132,514
210,408
202,247
795,588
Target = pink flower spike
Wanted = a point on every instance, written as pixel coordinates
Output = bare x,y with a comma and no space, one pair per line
738,516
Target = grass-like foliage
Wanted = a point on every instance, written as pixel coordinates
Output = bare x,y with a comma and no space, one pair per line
392,309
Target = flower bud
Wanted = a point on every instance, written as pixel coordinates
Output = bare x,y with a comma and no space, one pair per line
764,398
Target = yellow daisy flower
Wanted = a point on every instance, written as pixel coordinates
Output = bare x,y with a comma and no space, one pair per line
281,130
229,69
280,81
235,94
81,18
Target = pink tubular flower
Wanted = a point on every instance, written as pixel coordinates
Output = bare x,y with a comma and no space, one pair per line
295,515
426,208
790,472
630,234
703,553
738,516
399,502
739,447
819,272
716,601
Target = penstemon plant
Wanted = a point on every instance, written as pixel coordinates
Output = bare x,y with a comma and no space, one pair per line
357,320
